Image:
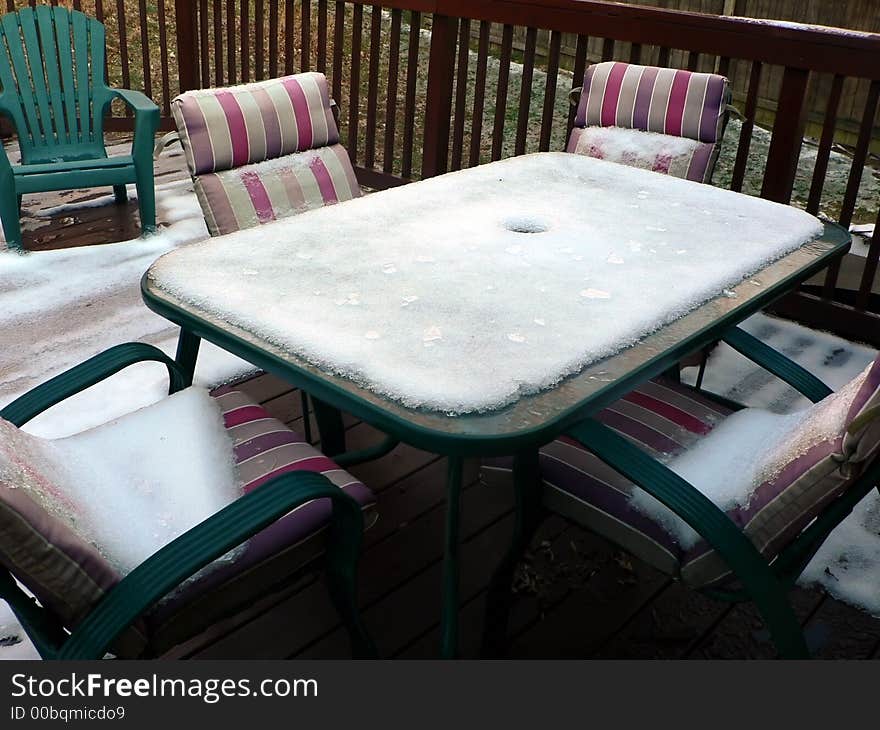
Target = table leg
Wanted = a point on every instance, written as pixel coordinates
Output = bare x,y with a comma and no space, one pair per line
330,428
449,615
529,513
187,352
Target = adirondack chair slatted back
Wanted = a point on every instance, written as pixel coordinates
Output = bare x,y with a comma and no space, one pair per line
52,74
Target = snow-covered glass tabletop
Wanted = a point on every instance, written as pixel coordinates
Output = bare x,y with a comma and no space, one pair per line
462,293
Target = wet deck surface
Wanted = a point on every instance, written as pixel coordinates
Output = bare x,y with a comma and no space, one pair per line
577,595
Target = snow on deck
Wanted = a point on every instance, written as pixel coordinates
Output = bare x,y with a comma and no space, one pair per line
463,292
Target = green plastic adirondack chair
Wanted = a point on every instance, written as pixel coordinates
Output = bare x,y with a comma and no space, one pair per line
53,90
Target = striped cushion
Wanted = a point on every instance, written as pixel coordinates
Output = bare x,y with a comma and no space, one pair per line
69,576
662,100
676,156
266,191
263,448
66,573
659,100
225,128
664,419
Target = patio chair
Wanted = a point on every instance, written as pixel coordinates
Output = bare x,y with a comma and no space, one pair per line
297,507
600,473
263,151
660,119
53,91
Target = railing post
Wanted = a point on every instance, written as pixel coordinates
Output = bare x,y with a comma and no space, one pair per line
438,105
788,134
187,55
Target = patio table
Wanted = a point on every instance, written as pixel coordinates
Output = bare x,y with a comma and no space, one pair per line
297,298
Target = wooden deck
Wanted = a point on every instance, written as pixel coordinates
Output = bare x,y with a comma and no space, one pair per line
578,597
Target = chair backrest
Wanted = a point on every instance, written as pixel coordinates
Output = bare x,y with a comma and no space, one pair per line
681,113
53,88
262,151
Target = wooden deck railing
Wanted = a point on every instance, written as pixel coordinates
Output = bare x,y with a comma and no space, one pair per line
427,86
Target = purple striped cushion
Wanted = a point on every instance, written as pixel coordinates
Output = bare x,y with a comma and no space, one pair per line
662,100
676,156
263,448
665,102
659,416
266,191
664,418
862,439
225,128
70,576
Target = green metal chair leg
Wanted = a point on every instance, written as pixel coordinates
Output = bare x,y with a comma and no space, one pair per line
529,515
785,630
9,217
146,196
342,556
330,428
187,353
307,419
449,614
120,194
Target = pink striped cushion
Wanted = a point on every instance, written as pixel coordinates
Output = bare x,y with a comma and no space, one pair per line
666,102
664,419
225,128
70,576
662,100
266,191
676,156
264,448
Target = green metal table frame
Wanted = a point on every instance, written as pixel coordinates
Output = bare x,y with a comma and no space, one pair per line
519,429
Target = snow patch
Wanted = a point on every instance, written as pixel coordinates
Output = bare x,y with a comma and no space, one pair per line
133,485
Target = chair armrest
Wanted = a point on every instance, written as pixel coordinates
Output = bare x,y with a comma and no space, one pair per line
165,142
209,540
742,557
136,101
146,120
85,375
777,364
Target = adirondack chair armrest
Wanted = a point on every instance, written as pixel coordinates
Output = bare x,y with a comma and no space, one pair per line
209,540
86,374
136,101
146,119
777,364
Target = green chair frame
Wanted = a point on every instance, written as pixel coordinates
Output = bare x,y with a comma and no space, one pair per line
52,70
207,541
762,582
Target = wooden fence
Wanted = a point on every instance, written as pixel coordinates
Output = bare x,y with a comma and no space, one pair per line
421,93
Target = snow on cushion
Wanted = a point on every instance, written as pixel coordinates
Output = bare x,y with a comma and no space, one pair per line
677,156
266,191
49,541
669,102
229,127
263,448
813,463
63,570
